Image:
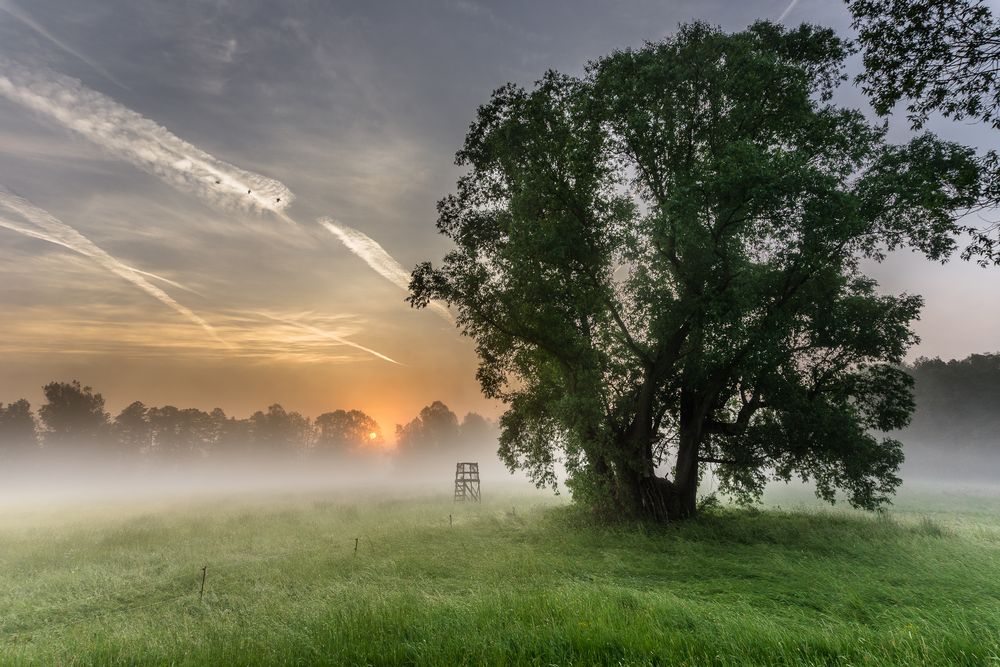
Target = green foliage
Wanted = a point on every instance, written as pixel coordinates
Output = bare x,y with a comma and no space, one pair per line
939,56
177,433
85,586
435,439
659,265
132,428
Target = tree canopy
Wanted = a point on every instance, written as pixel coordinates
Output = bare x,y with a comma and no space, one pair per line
347,431
659,264
937,56
132,428
73,416
278,430
436,438
434,431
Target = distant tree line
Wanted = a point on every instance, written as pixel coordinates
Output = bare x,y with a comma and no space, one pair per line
958,403
73,420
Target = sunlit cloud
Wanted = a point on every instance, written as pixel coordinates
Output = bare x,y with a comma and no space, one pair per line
266,338
304,326
297,331
49,228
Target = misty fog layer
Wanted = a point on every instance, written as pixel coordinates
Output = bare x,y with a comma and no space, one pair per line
955,431
71,447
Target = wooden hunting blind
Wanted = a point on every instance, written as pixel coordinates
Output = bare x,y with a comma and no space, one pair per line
467,481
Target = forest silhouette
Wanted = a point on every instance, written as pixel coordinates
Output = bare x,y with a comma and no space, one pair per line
73,423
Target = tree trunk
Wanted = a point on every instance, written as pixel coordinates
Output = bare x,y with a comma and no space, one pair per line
638,491
685,482
644,496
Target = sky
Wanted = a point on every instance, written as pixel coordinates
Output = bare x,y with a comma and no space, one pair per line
131,259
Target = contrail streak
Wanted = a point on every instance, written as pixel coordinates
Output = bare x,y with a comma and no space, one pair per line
788,10
25,18
28,231
377,258
154,149
136,139
168,281
34,233
332,336
55,231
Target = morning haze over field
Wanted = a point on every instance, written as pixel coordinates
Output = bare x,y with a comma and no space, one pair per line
491,333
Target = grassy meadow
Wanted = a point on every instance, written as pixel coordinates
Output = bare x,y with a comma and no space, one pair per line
520,579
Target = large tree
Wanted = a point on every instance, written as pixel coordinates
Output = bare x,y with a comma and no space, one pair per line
937,56
230,436
659,263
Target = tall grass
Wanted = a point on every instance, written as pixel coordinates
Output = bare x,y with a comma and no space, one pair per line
513,581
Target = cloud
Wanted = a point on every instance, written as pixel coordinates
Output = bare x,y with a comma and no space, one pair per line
329,335
152,148
273,337
280,344
138,140
377,258
168,281
48,228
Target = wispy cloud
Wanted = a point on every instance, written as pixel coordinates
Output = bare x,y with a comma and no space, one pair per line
16,12
138,140
377,258
43,226
168,281
323,333
259,337
48,228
